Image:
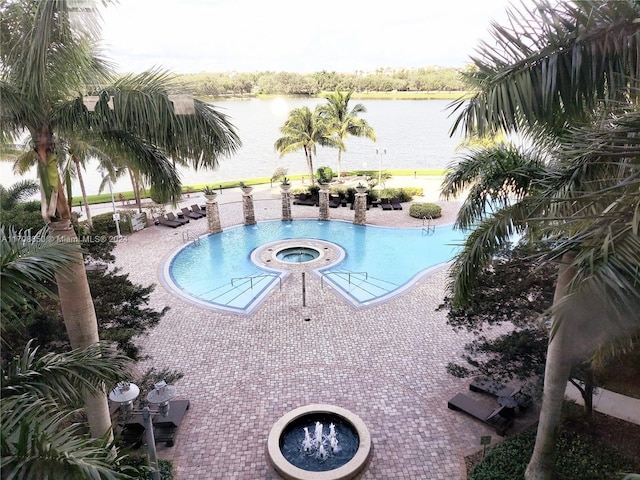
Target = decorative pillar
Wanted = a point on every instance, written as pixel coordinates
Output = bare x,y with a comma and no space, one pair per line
324,202
213,214
286,202
247,206
361,207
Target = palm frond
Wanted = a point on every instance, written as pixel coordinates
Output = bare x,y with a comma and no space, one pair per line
38,441
65,377
28,263
489,237
552,63
492,178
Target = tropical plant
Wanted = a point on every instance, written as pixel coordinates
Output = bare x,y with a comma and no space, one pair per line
345,122
30,259
548,73
49,66
305,130
41,436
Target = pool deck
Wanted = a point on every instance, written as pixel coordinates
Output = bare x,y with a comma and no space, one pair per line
385,363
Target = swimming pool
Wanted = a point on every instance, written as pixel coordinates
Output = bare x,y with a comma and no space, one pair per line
371,264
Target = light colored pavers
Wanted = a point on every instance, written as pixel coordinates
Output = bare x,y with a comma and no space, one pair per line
385,363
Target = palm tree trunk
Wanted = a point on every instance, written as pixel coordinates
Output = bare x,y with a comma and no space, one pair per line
81,323
309,155
77,306
84,193
557,370
136,189
339,162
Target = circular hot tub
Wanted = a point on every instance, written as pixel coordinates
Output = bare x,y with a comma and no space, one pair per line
297,254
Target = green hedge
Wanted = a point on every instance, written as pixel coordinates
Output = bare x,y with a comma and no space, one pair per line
579,458
421,210
104,224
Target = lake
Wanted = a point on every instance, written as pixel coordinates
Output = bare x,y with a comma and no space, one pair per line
414,134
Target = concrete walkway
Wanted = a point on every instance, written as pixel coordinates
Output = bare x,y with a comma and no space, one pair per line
609,403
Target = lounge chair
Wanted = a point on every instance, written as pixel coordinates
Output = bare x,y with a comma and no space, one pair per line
485,413
334,201
395,204
196,209
497,389
190,214
173,218
162,220
385,204
306,199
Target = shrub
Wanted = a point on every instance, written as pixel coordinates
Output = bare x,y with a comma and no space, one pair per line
579,458
324,174
402,194
421,210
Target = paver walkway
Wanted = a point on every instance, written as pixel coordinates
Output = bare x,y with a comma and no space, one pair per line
385,363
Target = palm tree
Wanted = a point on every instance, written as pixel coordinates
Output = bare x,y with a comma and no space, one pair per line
304,130
345,122
41,435
49,61
550,70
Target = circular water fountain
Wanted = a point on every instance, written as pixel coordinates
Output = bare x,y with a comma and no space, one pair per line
319,442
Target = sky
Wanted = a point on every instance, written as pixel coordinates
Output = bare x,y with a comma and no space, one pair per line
192,36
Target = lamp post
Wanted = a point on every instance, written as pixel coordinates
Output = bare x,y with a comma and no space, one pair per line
116,215
380,152
125,393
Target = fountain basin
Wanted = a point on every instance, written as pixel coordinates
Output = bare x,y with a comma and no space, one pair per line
309,414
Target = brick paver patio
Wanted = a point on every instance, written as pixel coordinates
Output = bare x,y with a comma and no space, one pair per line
385,363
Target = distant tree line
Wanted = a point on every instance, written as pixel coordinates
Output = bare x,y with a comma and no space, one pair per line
287,83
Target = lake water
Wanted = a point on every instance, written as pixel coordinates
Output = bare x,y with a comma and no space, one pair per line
414,133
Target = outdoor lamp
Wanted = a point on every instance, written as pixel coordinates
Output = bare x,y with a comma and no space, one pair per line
160,395
125,393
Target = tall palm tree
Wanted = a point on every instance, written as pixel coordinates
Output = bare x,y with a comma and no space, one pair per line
305,130
551,69
40,433
344,121
48,61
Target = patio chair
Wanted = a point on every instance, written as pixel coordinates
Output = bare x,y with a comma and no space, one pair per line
334,201
197,209
395,204
173,218
485,413
385,204
493,387
190,214
162,220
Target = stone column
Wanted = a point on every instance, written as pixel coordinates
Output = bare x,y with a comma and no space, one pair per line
324,202
361,209
286,202
247,206
213,214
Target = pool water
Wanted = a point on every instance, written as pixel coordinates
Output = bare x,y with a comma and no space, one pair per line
380,262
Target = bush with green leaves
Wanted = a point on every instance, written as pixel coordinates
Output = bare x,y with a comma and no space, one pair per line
422,210
579,458
324,174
